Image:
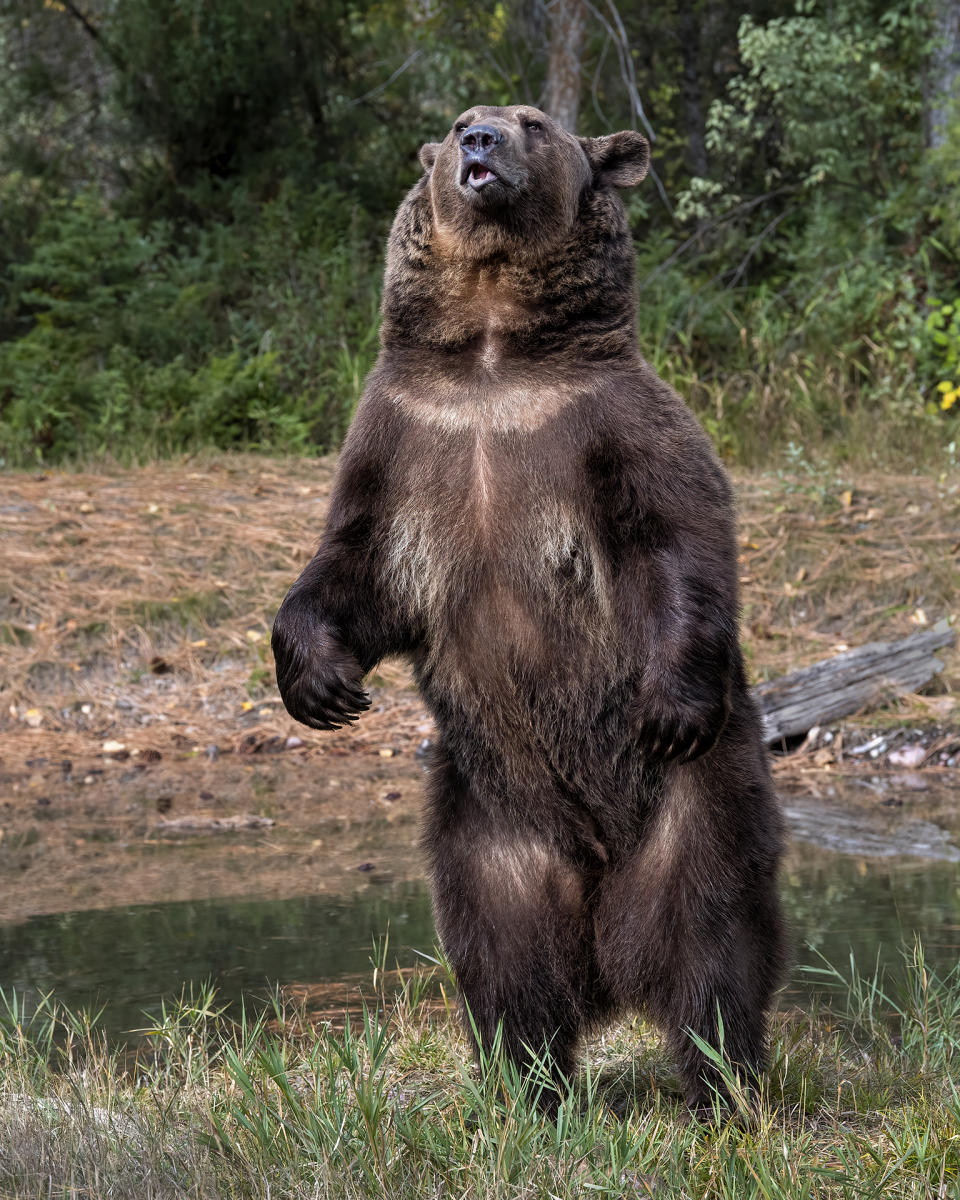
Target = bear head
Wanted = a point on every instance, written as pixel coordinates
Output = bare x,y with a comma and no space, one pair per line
515,235
508,176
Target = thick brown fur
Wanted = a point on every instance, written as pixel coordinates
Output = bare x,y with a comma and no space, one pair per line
532,516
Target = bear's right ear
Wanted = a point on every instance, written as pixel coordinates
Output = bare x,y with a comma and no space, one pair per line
619,159
428,154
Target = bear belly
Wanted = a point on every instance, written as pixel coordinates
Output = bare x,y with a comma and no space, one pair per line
512,600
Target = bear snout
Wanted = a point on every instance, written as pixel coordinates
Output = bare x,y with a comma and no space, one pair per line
477,145
479,139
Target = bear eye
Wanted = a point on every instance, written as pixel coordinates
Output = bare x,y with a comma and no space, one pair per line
460,127
535,126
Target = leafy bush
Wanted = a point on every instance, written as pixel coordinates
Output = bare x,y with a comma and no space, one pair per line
943,325
256,332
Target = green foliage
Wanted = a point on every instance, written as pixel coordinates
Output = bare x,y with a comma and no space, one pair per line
943,326
799,305
256,332
823,98
229,74
194,199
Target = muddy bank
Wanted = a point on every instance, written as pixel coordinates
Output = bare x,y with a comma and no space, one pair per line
140,728
324,824
281,822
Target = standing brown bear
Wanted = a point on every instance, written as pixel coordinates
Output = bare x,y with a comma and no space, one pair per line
533,517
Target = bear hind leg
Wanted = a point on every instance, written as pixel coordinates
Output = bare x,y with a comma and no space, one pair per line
512,918
689,929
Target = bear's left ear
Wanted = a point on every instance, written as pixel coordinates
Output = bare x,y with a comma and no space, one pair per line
619,159
428,154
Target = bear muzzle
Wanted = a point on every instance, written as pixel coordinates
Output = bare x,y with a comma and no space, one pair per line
478,144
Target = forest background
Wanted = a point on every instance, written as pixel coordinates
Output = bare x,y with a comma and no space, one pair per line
194,199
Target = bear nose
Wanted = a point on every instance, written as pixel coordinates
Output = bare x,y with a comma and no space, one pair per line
480,137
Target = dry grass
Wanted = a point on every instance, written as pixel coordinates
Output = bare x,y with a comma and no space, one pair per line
135,605
830,562
140,602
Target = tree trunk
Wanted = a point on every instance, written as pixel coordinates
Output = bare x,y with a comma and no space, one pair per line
568,23
689,29
943,80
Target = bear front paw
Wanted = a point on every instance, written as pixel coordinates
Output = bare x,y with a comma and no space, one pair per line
673,732
320,681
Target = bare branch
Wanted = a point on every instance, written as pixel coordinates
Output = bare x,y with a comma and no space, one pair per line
596,78
755,244
492,60
741,207
631,72
617,33
94,33
381,88
84,20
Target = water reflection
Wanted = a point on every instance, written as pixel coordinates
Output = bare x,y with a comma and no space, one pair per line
128,958
840,904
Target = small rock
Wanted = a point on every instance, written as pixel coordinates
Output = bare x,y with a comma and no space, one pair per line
423,749
907,756
293,743
206,795
212,752
367,866
386,752
112,747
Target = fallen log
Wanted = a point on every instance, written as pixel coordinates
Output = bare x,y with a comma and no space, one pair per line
196,823
849,682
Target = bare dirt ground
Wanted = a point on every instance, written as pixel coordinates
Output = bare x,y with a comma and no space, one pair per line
145,754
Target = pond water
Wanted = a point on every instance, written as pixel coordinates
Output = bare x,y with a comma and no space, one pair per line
847,888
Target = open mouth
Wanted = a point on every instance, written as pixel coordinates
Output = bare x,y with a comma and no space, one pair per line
477,175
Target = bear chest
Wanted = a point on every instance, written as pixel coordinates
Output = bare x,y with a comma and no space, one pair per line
492,534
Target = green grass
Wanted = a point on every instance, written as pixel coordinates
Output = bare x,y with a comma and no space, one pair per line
859,1103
